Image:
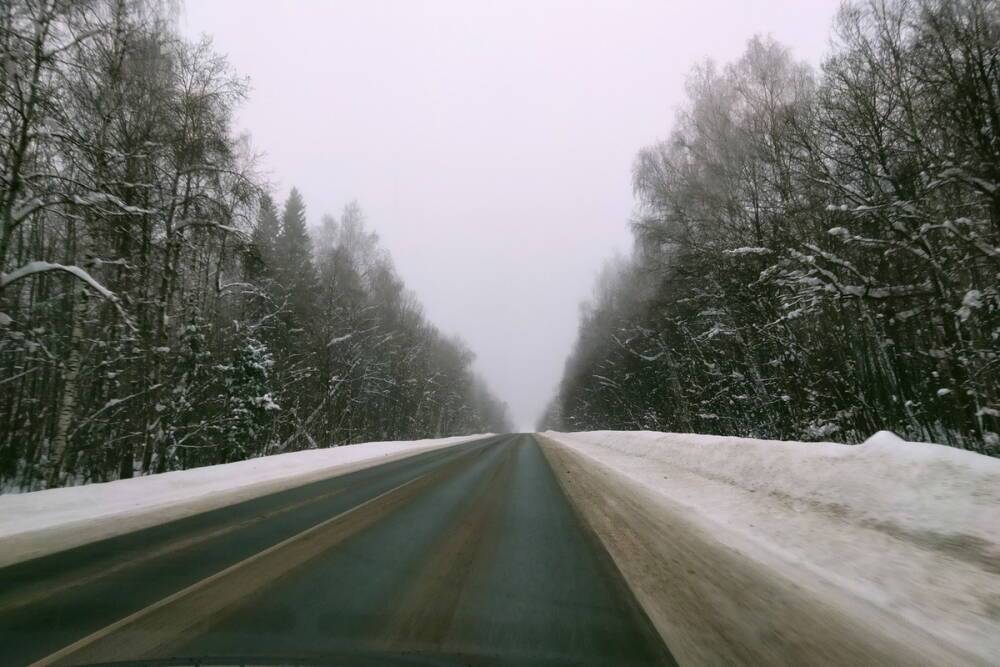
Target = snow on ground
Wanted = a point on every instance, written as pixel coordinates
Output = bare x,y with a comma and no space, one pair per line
33,524
911,528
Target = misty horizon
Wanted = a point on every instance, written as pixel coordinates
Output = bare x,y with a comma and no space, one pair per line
489,147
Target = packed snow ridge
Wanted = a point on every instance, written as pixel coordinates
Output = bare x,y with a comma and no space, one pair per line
912,528
33,524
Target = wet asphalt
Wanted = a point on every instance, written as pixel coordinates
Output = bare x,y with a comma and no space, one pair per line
470,555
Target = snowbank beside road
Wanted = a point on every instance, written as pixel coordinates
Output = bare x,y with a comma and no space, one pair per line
912,529
41,522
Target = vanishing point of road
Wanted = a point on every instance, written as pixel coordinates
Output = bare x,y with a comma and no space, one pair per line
467,555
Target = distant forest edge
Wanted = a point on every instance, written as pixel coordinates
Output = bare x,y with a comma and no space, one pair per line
157,310
817,253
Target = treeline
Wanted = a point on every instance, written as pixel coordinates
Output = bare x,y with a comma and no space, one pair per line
817,254
157,310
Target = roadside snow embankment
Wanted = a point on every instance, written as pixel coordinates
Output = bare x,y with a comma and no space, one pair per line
42,522
908,529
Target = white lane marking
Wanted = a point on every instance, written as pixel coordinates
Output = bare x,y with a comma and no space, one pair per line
117,625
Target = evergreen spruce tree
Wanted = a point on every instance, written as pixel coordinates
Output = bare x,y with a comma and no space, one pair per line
264,240
294,260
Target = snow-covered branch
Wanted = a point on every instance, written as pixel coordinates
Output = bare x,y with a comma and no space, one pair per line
33,268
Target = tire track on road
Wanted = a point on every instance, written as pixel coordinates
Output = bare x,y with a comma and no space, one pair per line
426,611
196,607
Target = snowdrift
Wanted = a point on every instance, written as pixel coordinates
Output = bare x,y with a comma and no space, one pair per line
41,522
912,528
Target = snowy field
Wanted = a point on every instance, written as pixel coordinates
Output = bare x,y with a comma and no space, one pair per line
909,529
33,524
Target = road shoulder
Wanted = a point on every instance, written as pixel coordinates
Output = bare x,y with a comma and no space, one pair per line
713,602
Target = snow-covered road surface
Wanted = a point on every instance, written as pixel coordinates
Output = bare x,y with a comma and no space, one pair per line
597,548
753,551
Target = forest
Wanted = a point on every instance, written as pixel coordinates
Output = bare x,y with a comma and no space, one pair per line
816,251
159,310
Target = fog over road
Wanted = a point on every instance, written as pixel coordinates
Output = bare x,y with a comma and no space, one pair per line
471,553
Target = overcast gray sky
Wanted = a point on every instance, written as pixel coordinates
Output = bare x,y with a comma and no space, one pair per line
489,143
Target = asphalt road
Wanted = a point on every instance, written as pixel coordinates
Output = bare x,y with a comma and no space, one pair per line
467,555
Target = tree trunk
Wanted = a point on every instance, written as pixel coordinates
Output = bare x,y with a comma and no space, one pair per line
71,376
